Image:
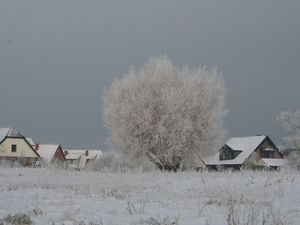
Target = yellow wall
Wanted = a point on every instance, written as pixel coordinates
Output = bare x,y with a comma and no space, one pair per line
23,149
198,162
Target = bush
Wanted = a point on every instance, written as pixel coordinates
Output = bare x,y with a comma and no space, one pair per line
17,219
116,162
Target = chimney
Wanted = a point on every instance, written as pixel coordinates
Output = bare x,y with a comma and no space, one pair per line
66,152
36,146
86,153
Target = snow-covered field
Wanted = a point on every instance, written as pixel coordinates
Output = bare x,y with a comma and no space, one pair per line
59,197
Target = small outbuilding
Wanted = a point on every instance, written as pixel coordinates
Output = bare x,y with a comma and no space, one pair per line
79,159
50,153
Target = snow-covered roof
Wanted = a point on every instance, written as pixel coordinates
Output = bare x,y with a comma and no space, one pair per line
73,154
244,144
3,133
94,154
76,153
11,132
30,141
275,162
47,151
8,132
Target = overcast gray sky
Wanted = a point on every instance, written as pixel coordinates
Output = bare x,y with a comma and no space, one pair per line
56,56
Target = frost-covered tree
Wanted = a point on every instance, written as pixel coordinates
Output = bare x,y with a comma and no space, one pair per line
290,120
166,113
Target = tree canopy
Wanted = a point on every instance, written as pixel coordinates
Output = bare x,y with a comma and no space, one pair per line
167,113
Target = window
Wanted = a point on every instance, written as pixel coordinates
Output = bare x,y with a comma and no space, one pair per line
13,148
228,154
267,154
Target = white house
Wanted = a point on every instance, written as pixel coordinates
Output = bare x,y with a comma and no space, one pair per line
50,153
79,159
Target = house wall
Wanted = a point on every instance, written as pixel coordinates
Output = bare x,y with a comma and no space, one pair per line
254,159
23,149
198,162
59,155
267,144
73,161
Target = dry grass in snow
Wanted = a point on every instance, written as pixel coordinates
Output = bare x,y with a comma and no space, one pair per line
59,197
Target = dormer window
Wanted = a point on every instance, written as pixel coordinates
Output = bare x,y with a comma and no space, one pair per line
227,153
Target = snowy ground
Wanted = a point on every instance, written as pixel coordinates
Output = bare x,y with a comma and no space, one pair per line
69,197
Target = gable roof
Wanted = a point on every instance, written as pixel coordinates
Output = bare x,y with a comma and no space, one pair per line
94,154
30,141
11,132
47,151
77,153
73,153
247,145
3,133
8,132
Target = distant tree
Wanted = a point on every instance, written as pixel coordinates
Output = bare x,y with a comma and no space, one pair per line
290,120
166,113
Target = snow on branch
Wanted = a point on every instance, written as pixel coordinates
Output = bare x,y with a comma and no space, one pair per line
166,112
